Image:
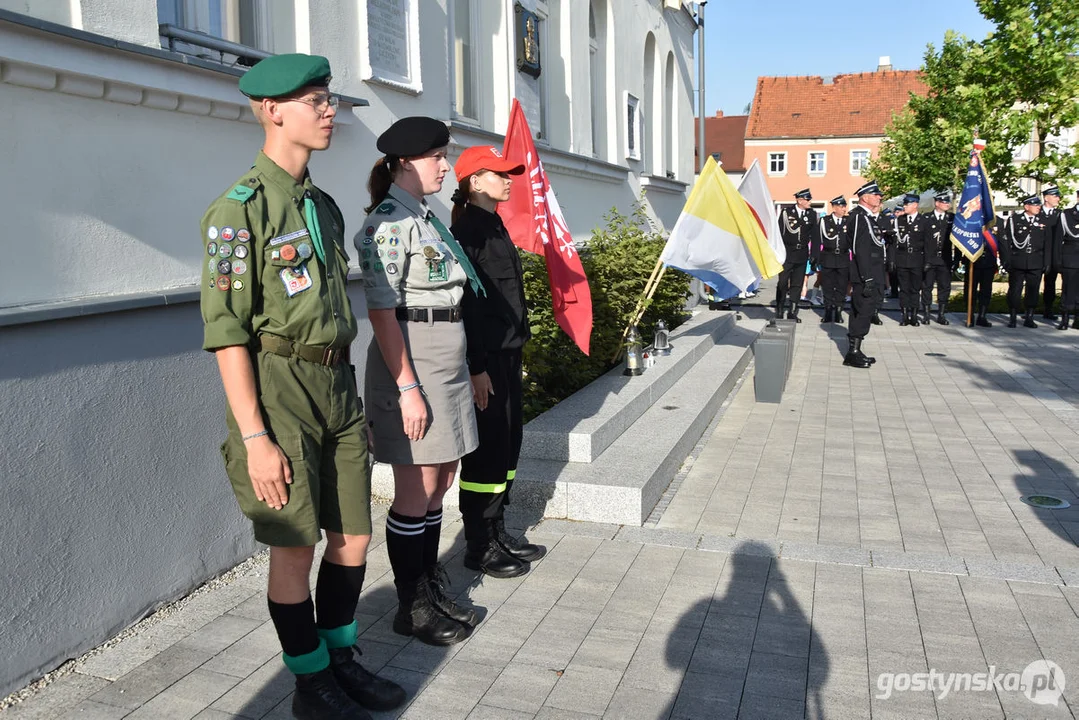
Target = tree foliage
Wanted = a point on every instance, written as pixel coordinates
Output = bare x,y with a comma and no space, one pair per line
1019,85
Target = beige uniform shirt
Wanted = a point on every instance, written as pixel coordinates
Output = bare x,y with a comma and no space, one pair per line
404,261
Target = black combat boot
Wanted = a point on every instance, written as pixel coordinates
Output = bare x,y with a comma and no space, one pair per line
517,547
876,318
914,317
827,315
418,616
1075,322
793,314
982,320
925,315
941,319
1028,320
319,697
838,315
906,318
1063,320
854,357
1049,314
362,685
483,552
439,581
1012,319
779,309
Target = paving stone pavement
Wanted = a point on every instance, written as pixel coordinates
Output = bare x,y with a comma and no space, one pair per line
818,556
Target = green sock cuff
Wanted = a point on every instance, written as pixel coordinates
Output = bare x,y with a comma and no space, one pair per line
312,662
340,637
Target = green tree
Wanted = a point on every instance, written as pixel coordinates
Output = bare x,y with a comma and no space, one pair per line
1018,85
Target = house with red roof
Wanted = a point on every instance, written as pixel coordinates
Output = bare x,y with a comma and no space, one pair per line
725,140
820,132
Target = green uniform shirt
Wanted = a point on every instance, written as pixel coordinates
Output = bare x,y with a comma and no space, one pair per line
404,260
260,271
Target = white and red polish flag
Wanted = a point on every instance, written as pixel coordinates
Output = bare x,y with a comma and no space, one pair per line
535,224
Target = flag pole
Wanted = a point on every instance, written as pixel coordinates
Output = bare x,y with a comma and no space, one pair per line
648,298
639,310
970,293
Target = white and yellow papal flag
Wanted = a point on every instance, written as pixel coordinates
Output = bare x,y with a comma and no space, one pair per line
717,238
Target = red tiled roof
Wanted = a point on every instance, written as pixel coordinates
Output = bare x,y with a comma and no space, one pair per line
727,136
856,105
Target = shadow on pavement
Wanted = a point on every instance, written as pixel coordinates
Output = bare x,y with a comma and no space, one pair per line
751,652
1042,475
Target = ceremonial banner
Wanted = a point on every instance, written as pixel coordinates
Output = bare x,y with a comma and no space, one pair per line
535,224
974,215
718,239
755,190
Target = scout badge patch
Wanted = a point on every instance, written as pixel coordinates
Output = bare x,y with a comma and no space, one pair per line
436,264
296,280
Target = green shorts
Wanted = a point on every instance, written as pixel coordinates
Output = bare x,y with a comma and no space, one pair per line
314,415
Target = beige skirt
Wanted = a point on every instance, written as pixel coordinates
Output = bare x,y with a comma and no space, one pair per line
438,357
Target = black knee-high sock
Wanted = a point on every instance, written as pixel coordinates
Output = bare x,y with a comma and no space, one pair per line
336,593
295,625
404,544
431,535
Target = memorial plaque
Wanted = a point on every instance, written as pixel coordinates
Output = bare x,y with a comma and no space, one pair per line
388,39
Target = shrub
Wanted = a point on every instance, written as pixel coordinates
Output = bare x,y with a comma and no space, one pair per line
618,261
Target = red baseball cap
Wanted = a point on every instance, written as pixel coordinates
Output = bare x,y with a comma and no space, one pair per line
484,157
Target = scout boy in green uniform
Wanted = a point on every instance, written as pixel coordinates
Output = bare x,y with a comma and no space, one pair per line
278,318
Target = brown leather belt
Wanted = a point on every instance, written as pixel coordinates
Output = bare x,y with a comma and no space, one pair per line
429,314
310,353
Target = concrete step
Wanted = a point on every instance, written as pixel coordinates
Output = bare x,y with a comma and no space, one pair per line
626,480
581,427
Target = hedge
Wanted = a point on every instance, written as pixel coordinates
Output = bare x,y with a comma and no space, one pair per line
618,259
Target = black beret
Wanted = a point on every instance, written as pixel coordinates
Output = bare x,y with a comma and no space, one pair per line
803,194
413,136
280,75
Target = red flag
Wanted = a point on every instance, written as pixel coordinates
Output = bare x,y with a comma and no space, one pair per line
535,224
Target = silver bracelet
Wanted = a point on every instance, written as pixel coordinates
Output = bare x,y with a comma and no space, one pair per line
406,388
252,436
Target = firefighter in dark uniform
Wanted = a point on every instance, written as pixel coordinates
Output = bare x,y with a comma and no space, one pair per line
796,226
867,232
1025,252
1066,254
898,213
1051,217
907,258
985,271
938,258
831,257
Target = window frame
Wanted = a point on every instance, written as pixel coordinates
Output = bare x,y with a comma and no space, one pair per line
594,80
455,111
780,156
226,23
631,105
543,14
413,82
857,172
824,163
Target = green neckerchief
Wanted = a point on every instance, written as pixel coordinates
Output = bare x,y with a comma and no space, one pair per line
459,253
311,215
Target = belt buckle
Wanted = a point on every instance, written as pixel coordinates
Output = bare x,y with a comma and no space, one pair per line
330,356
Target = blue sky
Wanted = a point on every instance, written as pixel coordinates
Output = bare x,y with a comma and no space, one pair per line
747,38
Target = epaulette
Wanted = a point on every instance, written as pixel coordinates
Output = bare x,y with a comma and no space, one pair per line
385,208
244,191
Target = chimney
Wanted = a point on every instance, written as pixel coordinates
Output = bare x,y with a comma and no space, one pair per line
828,80
885,63
719,113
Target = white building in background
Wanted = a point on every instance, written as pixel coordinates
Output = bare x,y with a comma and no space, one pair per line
118,126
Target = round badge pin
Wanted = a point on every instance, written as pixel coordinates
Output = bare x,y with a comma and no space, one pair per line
394,241
225,250
223,283
211,248
381,253
212,265
224,267
211,233
239,267
237,284
367,241
366,253
288,253
378,267
381,239
395,229
243,235
392,268
304,250
240,251
365,265
227,234
394,255
369,230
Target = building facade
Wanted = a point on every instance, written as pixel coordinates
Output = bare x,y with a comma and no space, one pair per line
122,121
821,132
725,140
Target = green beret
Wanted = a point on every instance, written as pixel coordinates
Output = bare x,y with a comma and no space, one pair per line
280,75
413,136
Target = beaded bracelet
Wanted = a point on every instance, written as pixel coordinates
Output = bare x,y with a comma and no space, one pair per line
406,388
252,436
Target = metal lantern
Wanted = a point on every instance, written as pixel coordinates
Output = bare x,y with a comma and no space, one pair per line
634,360
661,343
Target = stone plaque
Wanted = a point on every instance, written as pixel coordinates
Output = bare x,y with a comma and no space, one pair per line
388,38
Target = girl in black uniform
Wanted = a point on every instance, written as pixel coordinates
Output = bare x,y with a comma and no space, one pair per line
496,328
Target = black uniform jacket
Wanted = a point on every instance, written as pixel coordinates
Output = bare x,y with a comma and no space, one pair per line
831,249
909,247
498,321
868,235
938,239
797,228
1066,250
1025,243
1051,217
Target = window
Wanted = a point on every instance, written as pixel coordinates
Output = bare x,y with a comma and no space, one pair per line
254,24
544,27
390,31
670,148
463,60
633,127
817,163
595,77
858,161
777,163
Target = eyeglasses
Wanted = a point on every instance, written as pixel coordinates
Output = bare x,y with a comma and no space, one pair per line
320,103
